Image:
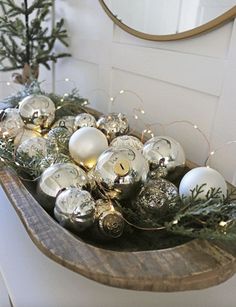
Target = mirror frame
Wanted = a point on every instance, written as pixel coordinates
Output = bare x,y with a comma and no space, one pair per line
218,21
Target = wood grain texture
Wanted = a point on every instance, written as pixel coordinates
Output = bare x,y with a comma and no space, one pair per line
194,265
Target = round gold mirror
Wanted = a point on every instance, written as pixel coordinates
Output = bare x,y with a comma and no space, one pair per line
165,20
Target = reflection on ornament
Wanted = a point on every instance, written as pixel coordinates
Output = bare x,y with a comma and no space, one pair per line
86,145
57,177
121,171
108,221
84,120
163,151
127,141
160,172
33,147
11,123
75,209
210,178
37,111
65,121
113,125
58,139
156,195
24,135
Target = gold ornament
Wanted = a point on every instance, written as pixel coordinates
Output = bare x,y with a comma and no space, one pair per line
65,121
113,125
86,145
84,120
11,123
33,147
37,111
75,209
121,172
57,177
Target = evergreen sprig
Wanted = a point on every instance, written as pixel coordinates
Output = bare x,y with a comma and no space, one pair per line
25,39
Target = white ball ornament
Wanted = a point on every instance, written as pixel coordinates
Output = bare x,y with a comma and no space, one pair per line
199,176
86,145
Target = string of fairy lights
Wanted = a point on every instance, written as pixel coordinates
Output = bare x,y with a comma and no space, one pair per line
137,114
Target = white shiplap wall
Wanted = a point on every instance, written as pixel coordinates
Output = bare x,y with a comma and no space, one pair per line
192,79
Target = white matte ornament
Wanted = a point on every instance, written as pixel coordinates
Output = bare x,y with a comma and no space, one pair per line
86,145
199,176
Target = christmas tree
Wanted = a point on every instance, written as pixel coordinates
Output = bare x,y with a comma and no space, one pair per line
25,40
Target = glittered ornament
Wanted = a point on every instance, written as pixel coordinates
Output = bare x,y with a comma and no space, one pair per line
53,158
37,111
11,123
163,151
75,209
84,120
86,145
67,122
109,221
57,177
113,125
204,177
156,196
33,147
58,139
127,141
121,171
25,134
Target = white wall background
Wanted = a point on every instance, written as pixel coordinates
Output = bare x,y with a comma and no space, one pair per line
192,79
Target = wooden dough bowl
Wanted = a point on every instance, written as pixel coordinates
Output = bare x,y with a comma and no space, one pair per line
196,264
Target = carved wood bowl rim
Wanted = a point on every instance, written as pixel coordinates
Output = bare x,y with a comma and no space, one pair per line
197,264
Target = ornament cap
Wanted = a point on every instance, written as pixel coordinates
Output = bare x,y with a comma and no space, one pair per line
122,167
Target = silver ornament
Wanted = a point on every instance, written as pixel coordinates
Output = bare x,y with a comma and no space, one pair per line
25,134
33,147
75,209
156,195
121,171
86,145
57,177
52,159
67,122
58,139
37,111
113,125
11,123
127,141
84,120
108,220
163,151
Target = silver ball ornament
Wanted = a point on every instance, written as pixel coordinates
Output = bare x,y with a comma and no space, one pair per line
53,158
163,151
86,145
37,111
84,120
11,123
25,134
57,177
67,122
206,177
113,125
121,172
156,196
75,209
33,147
127,141
58,139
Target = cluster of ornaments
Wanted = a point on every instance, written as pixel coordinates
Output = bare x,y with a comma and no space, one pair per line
90,165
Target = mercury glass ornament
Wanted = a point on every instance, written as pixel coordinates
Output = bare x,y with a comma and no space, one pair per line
11,123
113,125
163,151
53,158
121,172
84,120
58,139
75,209
25,134
109,221
204,177
33,147
85,146
156,195
37,111
127,141
57,177
67,122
